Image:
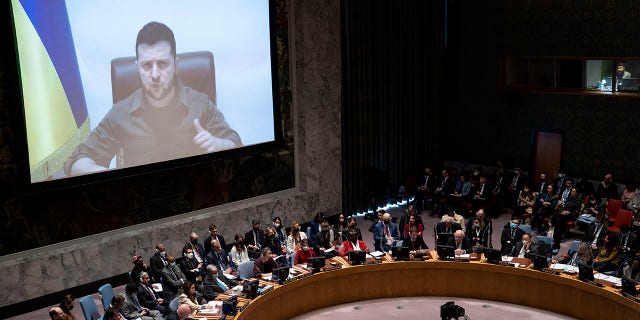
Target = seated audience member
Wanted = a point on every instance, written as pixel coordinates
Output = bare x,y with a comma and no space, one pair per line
353,225
415,243
190,267
253,239
264,264
342,227
294,241
138,267
219,258
525,201
280,232
459,219
304,253
461,193
479,236
111,314
56,313
172,279
628,242
196,247
632,270
115,308
352,244
481,193
413,221
460,244
148,298
628,193
379,214
569,210
189,298
546,207
66,304
239,253
158,261
607,189
132,309
271,240
326,241
585,187
584,256
510,235
588,213
213,235
523,247
607,258
210,286
446,229
596,232
315,228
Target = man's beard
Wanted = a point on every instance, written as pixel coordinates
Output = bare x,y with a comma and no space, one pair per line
165,91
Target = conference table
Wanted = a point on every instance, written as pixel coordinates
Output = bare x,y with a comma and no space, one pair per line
559,293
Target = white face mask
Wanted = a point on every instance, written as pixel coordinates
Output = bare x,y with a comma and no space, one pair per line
277,225
190,255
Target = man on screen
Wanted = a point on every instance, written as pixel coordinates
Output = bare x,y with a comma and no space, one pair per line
162,120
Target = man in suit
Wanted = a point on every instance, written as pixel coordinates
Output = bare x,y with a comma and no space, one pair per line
417,246
460,243
148,298
607,189
384,233
510,235
445,230
444,188
327,241
190,267
628,242
132,309
254,239
523,247
210,286
518,181
541,185
596,232
482,193
196,247
426,188
213,235
219,258
157,261
560,183
172,279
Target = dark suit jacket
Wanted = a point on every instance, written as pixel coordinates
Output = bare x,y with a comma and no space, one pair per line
196,248
223,263
249,239
540,187
147,299
441,227
466,244
533,248
156,263
171,282
419,244
507,241
590,235
207,244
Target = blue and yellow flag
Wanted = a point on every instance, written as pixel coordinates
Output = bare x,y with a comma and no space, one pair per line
54,102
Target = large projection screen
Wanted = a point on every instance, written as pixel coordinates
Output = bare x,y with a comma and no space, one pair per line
65,51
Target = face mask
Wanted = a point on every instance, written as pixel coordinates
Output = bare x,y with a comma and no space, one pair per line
190,255
296,230
526,190
517,171
386,222
173,264
560,175
513,225
277,225
305,248
240,243
163,254
476,225
271,236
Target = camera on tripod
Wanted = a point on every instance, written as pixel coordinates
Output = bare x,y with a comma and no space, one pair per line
449,311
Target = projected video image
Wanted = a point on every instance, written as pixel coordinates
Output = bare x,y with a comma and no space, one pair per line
116,84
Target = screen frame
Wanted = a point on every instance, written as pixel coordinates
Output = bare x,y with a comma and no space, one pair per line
29,188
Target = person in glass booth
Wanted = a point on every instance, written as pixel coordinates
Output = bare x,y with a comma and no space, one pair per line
163,120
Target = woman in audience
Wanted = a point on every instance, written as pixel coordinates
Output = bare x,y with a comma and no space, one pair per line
293,241
342,227
280,232
239,253
584,255
607,258
352,244
264,264
305,252
526,201
353,225
66,304
413,221
189,298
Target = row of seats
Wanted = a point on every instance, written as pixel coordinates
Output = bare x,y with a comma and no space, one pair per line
89,307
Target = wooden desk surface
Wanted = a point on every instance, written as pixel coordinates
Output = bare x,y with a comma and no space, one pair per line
561,294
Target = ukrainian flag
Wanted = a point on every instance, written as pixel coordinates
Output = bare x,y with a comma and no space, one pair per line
54,102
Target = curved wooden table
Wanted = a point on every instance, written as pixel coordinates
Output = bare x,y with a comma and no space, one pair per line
559,294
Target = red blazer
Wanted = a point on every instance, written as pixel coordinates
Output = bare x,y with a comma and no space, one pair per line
407,226
347,246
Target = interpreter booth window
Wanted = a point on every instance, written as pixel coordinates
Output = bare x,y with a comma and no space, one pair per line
599,75
570,73
543,73
517,71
